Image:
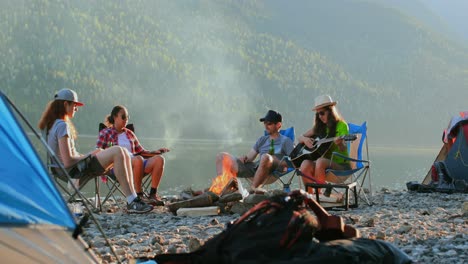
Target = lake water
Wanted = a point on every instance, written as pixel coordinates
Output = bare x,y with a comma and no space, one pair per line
192,162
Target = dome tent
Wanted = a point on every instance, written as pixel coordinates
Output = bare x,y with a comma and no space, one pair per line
36,225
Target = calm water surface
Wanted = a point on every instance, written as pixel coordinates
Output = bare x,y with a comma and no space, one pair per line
192,162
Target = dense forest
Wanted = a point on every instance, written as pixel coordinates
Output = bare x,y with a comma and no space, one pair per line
210,69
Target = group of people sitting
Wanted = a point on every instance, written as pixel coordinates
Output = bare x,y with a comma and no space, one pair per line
119,152
328,124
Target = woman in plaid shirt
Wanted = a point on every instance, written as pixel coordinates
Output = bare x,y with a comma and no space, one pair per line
116,133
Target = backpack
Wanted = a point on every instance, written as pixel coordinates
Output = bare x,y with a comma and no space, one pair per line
283,230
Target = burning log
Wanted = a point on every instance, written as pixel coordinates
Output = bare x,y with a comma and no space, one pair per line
226,182
203,200
230,187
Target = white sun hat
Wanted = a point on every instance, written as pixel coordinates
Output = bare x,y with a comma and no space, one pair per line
323,101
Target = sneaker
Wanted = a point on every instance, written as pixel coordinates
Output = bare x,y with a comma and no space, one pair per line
137,206
154,200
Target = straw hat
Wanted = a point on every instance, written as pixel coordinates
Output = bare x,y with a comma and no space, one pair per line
322,101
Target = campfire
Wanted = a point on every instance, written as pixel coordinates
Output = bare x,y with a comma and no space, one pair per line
226,182
223,190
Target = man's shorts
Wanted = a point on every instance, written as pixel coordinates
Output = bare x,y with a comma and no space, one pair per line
247,170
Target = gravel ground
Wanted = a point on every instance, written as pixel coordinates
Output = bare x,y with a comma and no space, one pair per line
429,227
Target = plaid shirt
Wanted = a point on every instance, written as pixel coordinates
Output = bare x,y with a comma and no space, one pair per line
110,135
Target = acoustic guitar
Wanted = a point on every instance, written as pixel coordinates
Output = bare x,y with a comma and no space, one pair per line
301,152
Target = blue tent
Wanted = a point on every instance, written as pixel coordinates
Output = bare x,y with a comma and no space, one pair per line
452,160
35,222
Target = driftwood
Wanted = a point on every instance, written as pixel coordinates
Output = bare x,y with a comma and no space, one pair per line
230,187
203,200
199,211
231,197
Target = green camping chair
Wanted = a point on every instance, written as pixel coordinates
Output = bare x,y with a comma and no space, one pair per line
357,180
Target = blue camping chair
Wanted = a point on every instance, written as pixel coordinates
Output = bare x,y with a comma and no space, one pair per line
355,179
279,175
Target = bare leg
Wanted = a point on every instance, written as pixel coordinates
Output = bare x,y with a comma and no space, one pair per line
234,169
308,170
120,159
263,171
137,165
155,166
320,169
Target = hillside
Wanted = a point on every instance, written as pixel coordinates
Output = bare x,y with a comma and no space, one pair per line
209,69
389,51
453,12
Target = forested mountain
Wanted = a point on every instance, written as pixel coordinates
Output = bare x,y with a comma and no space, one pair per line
454,12
210,69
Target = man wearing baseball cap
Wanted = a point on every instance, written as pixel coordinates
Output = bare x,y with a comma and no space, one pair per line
271,148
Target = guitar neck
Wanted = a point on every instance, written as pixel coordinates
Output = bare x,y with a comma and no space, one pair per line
325,140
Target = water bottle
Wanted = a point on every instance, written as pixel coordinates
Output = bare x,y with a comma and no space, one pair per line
110,144
271,151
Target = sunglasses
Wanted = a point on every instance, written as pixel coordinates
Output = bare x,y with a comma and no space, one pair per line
268,123
321,113
125,117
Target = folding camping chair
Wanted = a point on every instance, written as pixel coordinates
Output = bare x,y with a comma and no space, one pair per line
358,176
64,184
110,180
279,175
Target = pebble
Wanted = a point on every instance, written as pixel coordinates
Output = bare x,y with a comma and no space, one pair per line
429,227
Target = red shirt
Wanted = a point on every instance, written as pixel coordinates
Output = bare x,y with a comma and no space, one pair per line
110,135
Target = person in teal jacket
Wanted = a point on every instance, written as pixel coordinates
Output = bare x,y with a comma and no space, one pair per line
328,124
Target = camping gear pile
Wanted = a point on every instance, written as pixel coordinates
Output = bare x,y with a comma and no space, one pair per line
449,172
283,229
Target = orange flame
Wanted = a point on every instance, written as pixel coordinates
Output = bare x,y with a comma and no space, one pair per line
222,180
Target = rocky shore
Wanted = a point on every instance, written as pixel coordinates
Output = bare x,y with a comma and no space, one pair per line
429,227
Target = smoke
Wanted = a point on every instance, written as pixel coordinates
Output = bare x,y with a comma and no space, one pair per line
192,87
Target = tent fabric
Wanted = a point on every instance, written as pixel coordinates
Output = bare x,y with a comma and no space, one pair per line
453,157
42,245
462,116
27,194
456,161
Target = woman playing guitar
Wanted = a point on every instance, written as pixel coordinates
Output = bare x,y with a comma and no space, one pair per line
328,124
